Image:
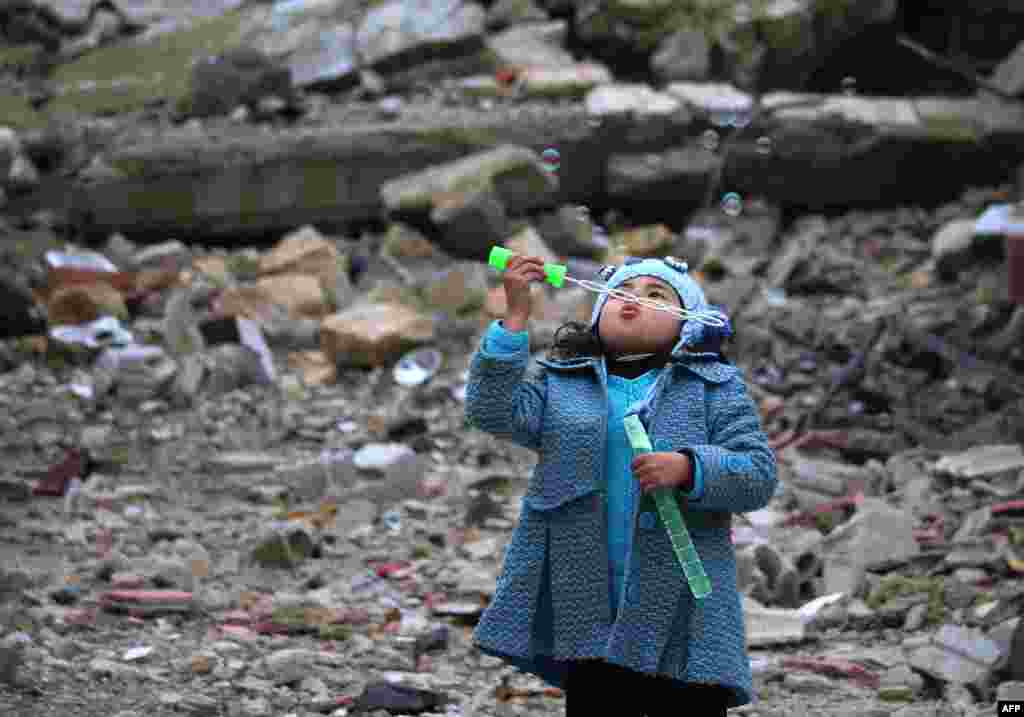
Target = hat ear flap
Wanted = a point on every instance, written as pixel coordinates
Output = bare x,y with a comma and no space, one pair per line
606,272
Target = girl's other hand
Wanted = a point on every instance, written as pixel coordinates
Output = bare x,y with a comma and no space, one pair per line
663,469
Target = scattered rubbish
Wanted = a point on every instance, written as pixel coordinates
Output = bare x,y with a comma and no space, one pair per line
418,367
393,521
75,464
136,654
397,699
101,333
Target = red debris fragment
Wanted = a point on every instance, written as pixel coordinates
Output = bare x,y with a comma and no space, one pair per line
1010,506
932,533
432,487
807,517
56,480
386,570
239,631
80,616
506,75
834,667
810,439
237,617
127,582
272,628
356,616
104,544
148,597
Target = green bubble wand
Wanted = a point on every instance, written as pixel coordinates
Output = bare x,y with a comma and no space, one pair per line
671,518
556,275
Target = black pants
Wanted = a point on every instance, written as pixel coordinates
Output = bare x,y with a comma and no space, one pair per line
596,687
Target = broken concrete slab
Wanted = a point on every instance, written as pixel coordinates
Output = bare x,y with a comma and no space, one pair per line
957,654
982,461
514,174
876,534
771,626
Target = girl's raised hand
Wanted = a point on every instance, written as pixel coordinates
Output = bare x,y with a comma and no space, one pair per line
520,272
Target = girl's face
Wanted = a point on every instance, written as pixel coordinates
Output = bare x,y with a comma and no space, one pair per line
629,328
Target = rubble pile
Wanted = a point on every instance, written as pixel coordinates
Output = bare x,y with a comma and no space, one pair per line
267,497
236,478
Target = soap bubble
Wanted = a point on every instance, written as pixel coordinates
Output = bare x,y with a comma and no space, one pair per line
551,158
849,85
732,204
764,145
709,140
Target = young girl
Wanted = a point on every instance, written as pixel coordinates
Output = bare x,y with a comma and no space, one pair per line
591,597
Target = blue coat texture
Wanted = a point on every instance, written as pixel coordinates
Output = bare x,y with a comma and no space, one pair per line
553,600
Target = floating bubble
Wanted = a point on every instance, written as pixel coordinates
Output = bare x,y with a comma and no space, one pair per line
709,140
732,204
552,159
849,85
764,145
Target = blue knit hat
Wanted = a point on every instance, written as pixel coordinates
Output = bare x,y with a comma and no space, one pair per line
676,274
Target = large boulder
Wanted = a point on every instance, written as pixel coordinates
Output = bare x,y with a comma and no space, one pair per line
240,76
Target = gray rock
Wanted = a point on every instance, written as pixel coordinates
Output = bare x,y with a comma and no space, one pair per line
951,246
957,654
395,27
877,533
1009,75
515,13
10,660
168,255
23,175
916,617
685,55
240,76
288,666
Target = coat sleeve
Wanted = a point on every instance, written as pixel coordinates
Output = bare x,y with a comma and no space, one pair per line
738,469
502,397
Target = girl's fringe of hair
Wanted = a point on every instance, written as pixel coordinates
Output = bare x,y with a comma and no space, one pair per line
577,341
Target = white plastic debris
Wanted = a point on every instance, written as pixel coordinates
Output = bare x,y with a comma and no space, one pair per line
104,331
137,653
79,260
418,367
381,456
808,611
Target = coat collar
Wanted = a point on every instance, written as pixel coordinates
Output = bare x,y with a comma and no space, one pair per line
707,366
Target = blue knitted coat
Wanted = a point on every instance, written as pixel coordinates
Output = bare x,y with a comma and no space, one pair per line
552,599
